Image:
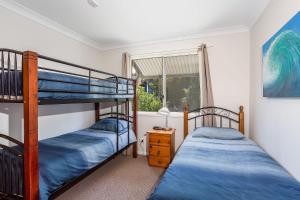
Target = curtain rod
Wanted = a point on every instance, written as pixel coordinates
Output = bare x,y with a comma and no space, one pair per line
170,52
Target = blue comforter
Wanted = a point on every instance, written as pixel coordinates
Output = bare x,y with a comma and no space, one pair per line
77,89
65,157
212,169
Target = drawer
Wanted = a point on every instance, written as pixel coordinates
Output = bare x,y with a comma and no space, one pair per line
159,161
159,140
159,151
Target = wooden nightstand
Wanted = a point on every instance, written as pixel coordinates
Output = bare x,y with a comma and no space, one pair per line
161,147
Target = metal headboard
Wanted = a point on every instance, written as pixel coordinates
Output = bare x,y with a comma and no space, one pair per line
214,117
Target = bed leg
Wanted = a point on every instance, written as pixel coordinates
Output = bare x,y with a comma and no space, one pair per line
134,150
135,121
185,121
241,120
97,111
30,95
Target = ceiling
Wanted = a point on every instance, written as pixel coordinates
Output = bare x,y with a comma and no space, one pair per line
118,23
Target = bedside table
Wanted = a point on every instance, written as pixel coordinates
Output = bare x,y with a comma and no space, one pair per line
161,147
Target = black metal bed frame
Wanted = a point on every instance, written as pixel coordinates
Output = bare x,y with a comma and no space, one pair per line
215,112
15,96
11,65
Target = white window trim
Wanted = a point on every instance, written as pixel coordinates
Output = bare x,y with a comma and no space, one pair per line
162,55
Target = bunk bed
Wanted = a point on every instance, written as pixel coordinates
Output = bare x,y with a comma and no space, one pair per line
47,168
220,163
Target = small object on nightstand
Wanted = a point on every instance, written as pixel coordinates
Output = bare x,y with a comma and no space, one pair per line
161,147
161,128
157,128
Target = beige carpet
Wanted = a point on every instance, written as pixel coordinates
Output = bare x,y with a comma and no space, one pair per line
120,179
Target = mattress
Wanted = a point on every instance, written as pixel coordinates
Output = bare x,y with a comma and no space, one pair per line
58,86
213,169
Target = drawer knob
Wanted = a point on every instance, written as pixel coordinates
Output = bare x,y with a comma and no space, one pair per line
158,141
159,162
158,153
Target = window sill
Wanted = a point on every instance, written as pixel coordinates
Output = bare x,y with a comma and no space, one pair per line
155,114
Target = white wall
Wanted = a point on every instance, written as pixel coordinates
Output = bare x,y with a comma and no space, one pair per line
229,61
22,34
274,121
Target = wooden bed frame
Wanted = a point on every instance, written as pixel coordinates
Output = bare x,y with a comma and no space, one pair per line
31,104
219,113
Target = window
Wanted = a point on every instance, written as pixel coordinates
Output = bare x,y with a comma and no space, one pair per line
170,81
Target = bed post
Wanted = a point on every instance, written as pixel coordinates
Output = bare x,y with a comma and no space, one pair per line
135,128
241,120
185,121
30,98
97,111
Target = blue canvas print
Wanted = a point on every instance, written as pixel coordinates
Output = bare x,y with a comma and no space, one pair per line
281,61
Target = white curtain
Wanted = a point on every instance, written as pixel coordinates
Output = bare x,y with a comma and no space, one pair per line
206,94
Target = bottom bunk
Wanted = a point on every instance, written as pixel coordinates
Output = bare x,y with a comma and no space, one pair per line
220,163
65,159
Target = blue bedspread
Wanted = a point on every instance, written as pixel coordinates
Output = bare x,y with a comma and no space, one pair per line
212,169
77,90
65,157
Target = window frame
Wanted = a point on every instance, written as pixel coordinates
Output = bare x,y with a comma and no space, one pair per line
164,74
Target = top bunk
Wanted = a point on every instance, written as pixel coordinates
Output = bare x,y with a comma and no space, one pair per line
57,81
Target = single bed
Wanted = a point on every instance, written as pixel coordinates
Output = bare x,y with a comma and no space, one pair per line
217,167
66,157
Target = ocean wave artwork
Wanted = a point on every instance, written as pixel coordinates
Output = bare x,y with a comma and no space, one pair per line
281,61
